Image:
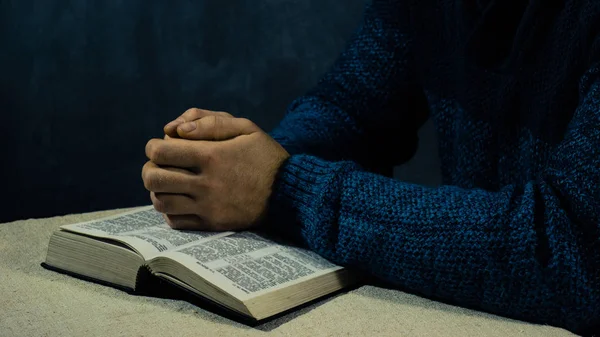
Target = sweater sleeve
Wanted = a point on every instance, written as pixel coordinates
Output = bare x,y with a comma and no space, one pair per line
367,101
531,252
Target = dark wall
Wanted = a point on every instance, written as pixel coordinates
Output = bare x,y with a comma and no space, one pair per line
85,83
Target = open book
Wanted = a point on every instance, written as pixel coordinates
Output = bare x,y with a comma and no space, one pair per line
243,271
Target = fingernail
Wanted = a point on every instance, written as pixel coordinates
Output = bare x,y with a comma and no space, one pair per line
175,122
187,127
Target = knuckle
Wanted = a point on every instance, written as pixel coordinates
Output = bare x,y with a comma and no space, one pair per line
247,125
178,224
161,204
168,220
218,127
191,113
148,147
209,185
146,176
154,149
145,169
207,126
153,180
246,122
197,186
147,185
209,155
156,153
211,121
149,182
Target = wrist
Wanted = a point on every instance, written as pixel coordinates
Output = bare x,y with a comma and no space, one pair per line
301,194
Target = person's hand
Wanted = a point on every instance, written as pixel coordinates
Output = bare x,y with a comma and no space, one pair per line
200,124
215,185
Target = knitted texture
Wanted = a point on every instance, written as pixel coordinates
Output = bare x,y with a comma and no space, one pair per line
515,227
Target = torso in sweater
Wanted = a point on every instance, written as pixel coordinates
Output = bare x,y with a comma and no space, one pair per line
515,96
502,83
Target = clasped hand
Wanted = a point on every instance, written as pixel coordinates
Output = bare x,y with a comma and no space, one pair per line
212,171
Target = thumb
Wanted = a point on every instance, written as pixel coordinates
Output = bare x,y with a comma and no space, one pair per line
188,116
216,127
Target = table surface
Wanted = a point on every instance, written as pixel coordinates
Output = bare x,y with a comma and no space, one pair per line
38,302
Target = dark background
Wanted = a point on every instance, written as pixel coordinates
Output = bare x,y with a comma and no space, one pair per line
85,83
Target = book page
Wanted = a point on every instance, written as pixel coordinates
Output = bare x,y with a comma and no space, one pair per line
144,230
247,264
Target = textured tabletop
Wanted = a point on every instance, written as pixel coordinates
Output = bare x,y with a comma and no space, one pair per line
38,302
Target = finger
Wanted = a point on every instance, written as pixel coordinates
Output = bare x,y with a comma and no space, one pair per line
188,116
216,128
184,222
167,179
176,153
171,128
172,203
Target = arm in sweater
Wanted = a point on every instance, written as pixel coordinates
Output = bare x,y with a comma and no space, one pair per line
531,252
347,116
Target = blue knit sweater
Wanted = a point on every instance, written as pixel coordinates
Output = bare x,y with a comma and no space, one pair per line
514,92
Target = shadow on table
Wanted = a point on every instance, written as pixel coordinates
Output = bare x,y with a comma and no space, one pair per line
224,315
